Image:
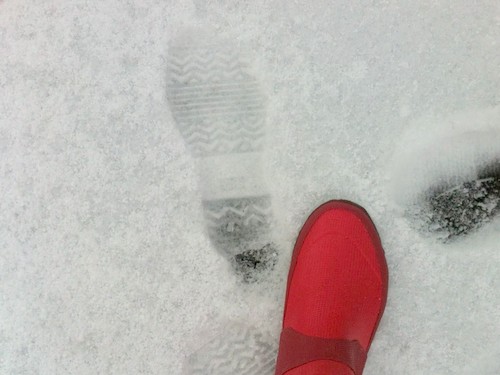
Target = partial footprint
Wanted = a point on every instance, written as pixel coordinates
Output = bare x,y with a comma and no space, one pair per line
237,349
446,173
220,112
461,209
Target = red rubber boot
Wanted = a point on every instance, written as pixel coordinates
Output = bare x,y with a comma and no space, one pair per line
336,293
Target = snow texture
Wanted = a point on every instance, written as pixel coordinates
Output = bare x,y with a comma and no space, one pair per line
446,172
107,264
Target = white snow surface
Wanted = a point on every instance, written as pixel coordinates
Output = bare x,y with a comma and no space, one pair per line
105,267
446,150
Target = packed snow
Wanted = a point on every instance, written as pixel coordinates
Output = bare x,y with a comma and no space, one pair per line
107,265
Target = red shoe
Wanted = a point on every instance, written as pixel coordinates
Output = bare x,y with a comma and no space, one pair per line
336,293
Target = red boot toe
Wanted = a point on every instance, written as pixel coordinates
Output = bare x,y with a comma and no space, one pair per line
336,293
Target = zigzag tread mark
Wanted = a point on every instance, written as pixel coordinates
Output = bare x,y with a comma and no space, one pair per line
212,83
250,210
236,104
225,212
220,115
247,222
208,144
205,128
235,100
222,150
208,88
208,100
200,151
210,135
215,98
206,68
228,103
249,124
221,56
187,63
203,78
207,74
214,144
204,61
250,120
193,132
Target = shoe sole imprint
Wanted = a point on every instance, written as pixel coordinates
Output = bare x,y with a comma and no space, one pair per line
241,350
220,112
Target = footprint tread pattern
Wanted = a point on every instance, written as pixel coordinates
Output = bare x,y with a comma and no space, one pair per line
239,224
242,211
239,350
219,109
217,104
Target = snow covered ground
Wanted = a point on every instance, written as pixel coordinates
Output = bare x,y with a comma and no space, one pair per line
106,266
